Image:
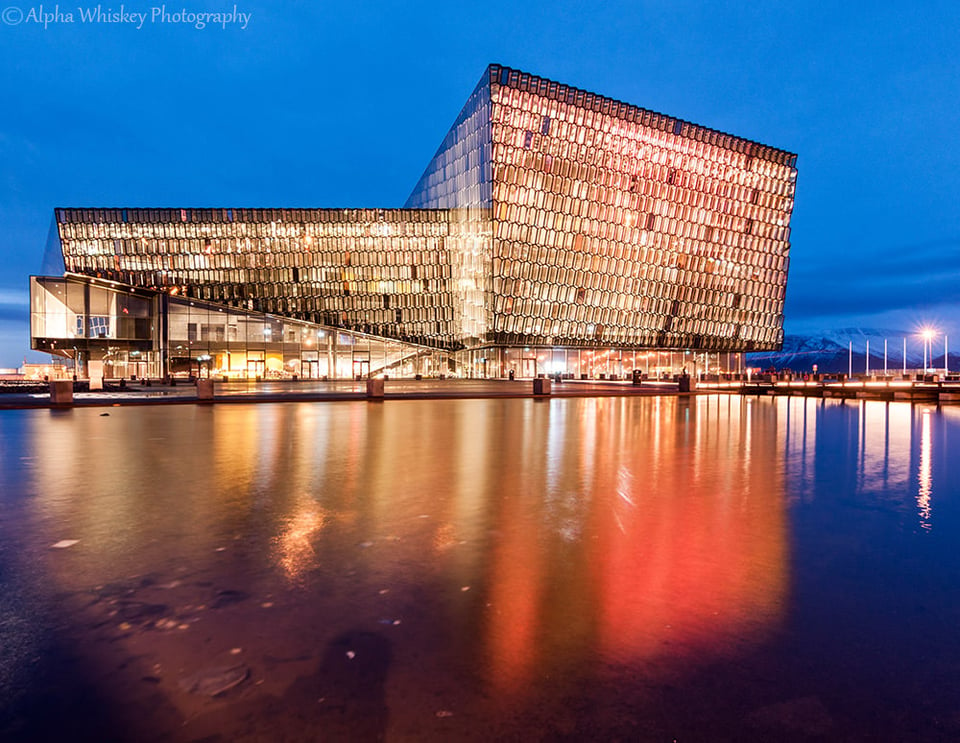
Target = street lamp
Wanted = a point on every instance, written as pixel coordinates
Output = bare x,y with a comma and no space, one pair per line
928,335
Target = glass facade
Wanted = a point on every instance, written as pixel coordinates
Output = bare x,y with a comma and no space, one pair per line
144,333
381,271
459,180
616,226
550,218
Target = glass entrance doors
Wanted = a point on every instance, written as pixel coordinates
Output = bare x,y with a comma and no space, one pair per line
361,368
310,369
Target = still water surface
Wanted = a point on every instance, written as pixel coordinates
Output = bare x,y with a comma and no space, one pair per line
713,568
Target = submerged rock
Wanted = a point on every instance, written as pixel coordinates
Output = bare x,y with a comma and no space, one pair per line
140,612
228,597
213,681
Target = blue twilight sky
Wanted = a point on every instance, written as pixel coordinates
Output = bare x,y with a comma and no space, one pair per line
319,104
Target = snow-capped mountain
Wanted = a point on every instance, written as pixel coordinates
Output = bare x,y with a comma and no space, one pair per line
830,351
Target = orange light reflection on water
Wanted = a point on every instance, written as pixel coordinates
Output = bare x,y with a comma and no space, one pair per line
295,543
682,551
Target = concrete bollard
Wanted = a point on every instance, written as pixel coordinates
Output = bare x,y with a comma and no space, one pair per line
61,392
686,383
375,389
205,389
541,386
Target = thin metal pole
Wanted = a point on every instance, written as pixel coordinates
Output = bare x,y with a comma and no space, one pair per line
946,364
850,360
868,357
904,356
884,357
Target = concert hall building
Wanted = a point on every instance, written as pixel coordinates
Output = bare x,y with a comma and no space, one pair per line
555,231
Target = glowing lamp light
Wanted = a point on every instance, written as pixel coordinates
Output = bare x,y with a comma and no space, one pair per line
928,334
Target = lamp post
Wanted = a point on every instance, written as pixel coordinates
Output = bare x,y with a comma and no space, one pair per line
928,335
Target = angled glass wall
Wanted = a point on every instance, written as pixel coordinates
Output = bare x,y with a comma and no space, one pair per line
78,319
459,179
249,345
142,333
619,226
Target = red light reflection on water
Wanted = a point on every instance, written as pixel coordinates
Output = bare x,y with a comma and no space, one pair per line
682,551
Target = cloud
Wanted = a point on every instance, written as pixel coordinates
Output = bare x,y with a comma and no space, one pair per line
17,315
902,278
919,261
847,295
14,341
15,297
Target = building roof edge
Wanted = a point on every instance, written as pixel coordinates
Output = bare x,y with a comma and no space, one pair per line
514,78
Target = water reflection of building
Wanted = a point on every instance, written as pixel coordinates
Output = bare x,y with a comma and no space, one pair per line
555,230
661,538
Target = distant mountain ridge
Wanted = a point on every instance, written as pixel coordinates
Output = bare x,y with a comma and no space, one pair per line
830,351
